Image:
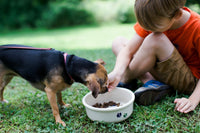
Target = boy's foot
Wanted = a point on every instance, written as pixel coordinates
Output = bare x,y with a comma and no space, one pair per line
131,85
151,92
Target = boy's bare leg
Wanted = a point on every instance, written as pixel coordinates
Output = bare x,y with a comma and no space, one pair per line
146,77
118,44
155,47
144,60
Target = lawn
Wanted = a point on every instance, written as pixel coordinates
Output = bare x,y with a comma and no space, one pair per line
28,109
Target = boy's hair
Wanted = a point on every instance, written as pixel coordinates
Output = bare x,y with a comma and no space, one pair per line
150,12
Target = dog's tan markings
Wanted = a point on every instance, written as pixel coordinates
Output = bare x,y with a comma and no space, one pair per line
6,80
56,81
52,99
101,71
5,77
93,85
60,101
100,61
54,85
97,82
102,77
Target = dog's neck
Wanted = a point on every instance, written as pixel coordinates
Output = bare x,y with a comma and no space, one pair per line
65,62
78,68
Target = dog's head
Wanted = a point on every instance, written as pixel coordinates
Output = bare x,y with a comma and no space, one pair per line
97,82
91,74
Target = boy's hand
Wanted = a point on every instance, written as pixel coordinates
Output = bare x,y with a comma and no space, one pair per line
113,81
184,105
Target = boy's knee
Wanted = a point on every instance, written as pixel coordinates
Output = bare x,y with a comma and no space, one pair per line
118,43
154,40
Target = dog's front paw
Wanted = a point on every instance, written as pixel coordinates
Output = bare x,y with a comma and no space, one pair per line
61,122
4,101
66,105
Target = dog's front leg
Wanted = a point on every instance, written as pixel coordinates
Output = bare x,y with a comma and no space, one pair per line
52,99
60,101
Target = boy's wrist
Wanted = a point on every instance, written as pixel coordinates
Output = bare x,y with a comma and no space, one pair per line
118,73
195,100
194,97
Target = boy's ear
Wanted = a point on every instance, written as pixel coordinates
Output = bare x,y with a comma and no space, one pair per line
178,14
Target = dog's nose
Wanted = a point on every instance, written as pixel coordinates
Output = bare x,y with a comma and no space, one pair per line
106,89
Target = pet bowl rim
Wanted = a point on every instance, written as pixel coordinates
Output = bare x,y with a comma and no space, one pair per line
110,109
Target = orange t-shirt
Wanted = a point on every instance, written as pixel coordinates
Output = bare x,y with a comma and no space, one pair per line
186,39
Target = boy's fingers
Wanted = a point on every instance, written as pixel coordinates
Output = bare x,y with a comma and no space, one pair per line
184,105
110,87
188,110
176,100
177,103
181,105
185,108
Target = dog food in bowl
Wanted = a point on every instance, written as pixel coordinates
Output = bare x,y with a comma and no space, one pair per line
110,114
106,104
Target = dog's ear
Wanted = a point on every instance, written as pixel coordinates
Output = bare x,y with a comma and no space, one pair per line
100,61
93,86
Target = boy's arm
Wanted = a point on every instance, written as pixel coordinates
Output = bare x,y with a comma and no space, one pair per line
123,60
185,105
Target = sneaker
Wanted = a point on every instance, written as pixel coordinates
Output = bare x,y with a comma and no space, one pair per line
133,85
151,92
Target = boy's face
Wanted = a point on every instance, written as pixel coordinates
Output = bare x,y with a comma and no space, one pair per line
163,25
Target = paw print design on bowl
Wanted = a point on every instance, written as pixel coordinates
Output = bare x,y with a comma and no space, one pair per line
125,115
119,115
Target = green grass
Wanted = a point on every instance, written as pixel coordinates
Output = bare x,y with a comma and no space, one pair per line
28,109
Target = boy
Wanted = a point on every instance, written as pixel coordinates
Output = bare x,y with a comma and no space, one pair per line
164,53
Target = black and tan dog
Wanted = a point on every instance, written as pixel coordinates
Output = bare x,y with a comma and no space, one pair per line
50,71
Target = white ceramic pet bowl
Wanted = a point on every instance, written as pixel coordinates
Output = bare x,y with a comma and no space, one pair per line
111,114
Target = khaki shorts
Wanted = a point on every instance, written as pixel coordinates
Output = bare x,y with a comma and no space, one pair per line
175,73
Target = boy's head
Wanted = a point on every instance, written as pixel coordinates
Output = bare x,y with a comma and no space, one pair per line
153,15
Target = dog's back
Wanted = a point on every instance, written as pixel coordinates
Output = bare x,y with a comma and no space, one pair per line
31,64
